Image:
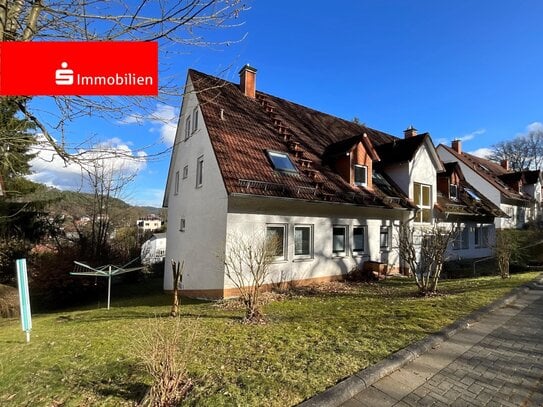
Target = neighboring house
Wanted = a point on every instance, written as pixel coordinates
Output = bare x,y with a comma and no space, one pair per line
153,250
332,191
461,205
518,194
149,223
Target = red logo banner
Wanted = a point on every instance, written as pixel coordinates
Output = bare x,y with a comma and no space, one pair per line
79,68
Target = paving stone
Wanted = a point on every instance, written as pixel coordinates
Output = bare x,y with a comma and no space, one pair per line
375,397
496,361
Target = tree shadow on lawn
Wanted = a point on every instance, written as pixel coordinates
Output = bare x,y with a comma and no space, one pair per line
110,385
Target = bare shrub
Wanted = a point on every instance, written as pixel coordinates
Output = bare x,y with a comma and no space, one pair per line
247,264
9,302
164,347
506,245
424,250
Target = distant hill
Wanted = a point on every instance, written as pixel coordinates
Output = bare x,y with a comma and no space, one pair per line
76,205
152,209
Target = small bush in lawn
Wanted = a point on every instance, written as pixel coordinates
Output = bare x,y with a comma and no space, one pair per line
52,284
9,302
10,250
164,349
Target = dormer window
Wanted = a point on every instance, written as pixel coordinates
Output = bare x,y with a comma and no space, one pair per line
360,175
281,161
453,191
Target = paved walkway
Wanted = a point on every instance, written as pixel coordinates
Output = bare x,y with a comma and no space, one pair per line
497,361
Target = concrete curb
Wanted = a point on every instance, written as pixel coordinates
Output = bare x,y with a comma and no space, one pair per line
347,388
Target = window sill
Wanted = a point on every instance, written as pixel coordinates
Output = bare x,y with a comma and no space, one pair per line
361,256
339,255
302,259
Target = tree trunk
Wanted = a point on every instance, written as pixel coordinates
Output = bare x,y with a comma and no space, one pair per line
177,269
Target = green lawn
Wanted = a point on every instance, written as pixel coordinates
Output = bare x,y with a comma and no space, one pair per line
87,357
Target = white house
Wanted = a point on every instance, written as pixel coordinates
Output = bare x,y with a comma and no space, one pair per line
517,194
153,250
334,192
149,223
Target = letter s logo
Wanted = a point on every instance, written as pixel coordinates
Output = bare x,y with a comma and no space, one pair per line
64,76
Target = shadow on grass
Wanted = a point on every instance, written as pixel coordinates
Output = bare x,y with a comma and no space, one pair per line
123,387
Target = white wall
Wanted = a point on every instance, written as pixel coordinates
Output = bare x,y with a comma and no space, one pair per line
422,170
203,208
483,249
322,217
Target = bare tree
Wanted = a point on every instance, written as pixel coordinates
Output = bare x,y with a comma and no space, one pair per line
424,250
523,152
175,25
247,263
106,179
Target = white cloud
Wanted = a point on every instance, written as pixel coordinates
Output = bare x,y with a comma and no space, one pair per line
163,120
534,127
482,152
472,135
114,157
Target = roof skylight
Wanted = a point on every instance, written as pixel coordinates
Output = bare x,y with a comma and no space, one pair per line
472,194
281,161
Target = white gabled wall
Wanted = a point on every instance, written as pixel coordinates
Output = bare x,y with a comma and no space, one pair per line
478,182
203,208
420,169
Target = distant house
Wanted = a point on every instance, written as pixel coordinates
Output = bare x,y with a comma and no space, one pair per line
517,194
153,250
332,191
149,223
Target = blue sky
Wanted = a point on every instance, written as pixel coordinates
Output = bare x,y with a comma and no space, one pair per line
455,69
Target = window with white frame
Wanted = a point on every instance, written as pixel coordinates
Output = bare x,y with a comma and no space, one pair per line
339,240
485,235
423,199
384,238
182,225
461,240
453,191
276,235
200,171
185,171
195,119
303,241
359,239
477,236
176,183
360,175
465,237
187,128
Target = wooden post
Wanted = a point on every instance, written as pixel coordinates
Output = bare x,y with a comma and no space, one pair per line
177,270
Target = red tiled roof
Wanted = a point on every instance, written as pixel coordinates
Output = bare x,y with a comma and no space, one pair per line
242,129
465,204
491,172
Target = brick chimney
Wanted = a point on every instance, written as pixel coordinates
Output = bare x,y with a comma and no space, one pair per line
505,164
247,81
410,132
456,145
